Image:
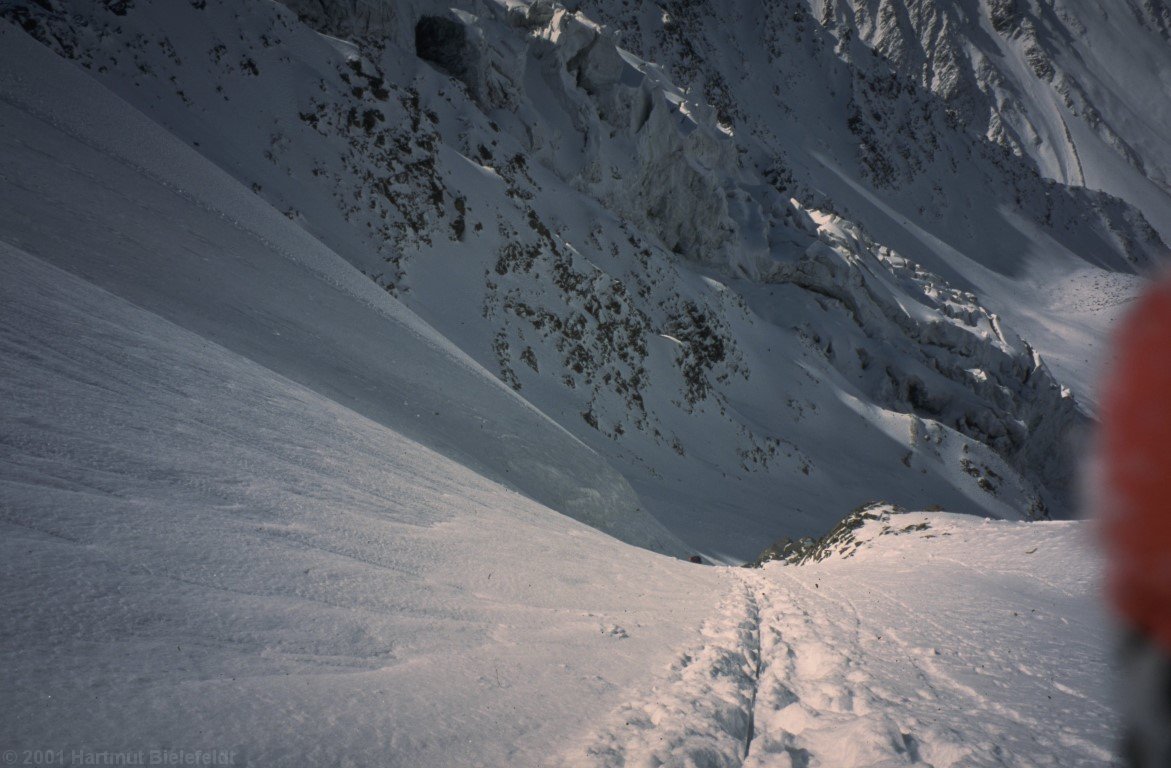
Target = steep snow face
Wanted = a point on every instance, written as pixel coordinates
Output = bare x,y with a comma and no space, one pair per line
97,189
709,298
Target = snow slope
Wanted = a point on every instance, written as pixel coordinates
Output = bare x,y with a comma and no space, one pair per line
353,402
93,187
319,589
923,124
707,307
940,640
199,553
1081,88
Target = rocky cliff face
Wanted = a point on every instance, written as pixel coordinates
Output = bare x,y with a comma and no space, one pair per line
765,260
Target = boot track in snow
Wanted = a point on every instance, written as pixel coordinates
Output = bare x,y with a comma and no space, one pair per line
703,712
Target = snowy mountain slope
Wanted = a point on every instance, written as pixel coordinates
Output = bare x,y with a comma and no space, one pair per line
320,339
940,640
883,111
200,554
94,188
589,232
321,590
1081,88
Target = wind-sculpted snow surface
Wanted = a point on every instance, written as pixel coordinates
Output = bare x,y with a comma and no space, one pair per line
199,553
957,642
709,297
701,714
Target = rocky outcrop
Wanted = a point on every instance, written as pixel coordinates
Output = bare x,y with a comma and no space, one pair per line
950,360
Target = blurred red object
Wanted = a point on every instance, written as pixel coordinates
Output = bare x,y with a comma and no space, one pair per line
1135,450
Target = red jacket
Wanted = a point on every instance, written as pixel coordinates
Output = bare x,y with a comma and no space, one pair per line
1135,449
